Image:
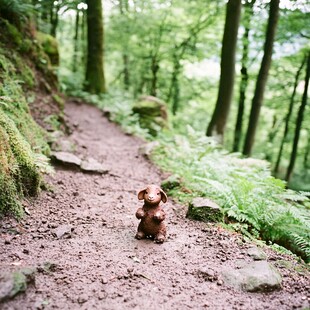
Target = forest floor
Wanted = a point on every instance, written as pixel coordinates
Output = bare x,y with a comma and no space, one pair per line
102,265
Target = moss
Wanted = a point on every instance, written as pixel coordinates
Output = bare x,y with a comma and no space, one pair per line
60,102
22,140
50,46
9,195
152,114
26,174
14,34
14,103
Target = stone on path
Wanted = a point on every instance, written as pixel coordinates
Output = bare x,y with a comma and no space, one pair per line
89,164
147,148
93,166
258,276
204,209
256,253
67,159
12,283
63,232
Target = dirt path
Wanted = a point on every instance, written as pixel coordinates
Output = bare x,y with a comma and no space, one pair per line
102,266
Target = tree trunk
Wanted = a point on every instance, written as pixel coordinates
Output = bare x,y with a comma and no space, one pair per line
299,122
76,40
244,75
154,69
220,114
288,117
126,71
175,86
306,161
83,38
125,54
262,77
54,19
95,81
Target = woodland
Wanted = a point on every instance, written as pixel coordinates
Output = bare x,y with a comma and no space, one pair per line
229,81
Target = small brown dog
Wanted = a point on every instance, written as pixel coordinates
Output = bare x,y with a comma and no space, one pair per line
151,214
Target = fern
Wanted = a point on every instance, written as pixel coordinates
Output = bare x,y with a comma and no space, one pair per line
15,10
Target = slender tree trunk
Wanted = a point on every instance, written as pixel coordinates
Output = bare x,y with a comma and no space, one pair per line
126,71
299,123
175,88
125,56
54,19
95,81
76,40
154,69
306,161
244,75
262,77
271,135
83,38
288,117
220,114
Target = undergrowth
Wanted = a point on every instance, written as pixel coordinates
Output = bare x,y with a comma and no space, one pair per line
253,201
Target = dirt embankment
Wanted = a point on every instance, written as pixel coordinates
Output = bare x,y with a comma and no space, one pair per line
85,225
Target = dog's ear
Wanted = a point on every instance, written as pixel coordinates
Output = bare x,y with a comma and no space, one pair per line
164,197
141,194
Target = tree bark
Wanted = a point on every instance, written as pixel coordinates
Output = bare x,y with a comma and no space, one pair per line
95,80
244,75
220,114
306,161
125,54
54,18
299,122
288,117
262,77
76,40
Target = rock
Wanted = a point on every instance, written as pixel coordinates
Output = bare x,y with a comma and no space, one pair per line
63,232
63,145
256,253
50,46
152,113
93,166
47,267
171,182
12,283
204,209
147,149
208,274
258,276
67,159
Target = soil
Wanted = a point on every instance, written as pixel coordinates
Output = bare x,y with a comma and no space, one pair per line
100,265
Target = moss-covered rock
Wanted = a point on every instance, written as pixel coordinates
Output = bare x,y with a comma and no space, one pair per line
152,114
50,47
171,182
204,209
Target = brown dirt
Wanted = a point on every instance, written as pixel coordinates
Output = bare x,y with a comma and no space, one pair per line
102,266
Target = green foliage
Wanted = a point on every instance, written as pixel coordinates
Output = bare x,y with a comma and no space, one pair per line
244,188
16,11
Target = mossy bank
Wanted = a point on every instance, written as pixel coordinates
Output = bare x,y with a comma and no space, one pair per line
23,144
